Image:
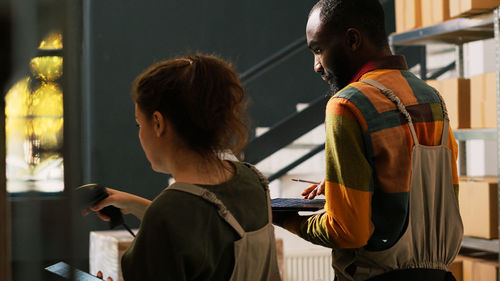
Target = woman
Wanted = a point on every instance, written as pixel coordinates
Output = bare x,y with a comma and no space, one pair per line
214,223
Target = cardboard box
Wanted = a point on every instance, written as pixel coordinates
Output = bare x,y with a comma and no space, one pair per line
483,105
478,204
435,11
456,95
461,8
485,270
408,15
465,267
281,258
456,269
106,251
436,84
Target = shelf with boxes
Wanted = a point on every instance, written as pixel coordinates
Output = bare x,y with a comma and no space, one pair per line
474,108
454,31
418,14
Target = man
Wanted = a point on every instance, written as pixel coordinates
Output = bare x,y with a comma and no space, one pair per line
377,155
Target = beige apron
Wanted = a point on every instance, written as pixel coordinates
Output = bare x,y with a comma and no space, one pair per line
434,233
255,253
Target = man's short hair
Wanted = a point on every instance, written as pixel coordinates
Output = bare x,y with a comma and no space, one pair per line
366,15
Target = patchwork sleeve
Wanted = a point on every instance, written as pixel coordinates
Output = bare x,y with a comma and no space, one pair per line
346,222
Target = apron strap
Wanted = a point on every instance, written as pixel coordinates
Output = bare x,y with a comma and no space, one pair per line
265,183
443,105
212,198
446,119
390,95
444,137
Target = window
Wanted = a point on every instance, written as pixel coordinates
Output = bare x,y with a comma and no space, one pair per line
34,123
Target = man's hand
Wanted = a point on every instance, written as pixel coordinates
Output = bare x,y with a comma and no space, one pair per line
313,190
279,217
288,220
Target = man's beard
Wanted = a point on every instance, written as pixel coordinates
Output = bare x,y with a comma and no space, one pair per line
336,81
339,74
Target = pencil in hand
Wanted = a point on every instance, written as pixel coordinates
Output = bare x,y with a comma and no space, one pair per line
306,181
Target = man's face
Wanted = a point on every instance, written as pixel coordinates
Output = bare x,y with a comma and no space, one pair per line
331,58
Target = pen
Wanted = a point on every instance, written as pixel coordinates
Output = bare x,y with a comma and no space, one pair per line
307,181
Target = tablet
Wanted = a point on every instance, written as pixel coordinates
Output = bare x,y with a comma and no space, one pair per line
297,204
70,273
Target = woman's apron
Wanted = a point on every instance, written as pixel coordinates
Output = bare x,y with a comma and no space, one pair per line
255,252
434,233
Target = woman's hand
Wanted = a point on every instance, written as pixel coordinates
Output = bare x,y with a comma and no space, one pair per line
126,202
313,190
100,275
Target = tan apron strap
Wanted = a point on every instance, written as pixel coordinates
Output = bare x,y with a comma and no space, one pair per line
390,95
212,198
443,105
446,119
262,178
444,136
265,183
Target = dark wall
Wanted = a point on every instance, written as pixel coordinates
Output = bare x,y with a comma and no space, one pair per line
5,62
122,38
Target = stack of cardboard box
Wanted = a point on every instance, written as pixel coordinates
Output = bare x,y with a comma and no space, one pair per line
483,101
435,11
411,14
471,103
478,203
463,8
456,93
408,15
475,266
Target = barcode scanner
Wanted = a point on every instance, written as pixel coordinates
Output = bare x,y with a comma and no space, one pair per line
90,194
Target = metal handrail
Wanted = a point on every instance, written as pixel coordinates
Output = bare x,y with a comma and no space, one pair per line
286,131
297,162
273,60
290,128
442,71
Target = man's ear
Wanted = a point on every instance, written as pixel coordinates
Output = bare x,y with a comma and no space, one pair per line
159,124
354,39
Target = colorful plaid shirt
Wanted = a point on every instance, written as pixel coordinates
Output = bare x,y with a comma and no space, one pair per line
368,157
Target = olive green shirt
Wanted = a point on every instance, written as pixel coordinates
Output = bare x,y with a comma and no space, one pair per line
182,237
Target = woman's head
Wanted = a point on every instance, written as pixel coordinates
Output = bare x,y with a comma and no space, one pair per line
201,97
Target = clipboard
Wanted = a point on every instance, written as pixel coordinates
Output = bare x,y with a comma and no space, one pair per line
297,204
68,272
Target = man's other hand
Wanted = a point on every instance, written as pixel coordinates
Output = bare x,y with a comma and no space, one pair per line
313,190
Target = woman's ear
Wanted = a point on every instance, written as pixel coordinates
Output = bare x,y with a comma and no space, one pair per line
159,124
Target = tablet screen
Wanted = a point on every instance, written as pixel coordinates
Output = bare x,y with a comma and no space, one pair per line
297,204
70,273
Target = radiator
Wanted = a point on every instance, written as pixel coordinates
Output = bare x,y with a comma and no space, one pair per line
308,265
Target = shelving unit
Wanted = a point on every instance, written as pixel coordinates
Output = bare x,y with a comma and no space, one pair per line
458,32
475,134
